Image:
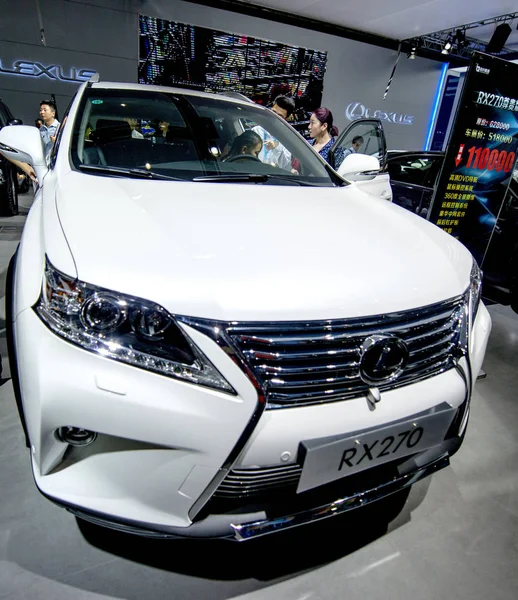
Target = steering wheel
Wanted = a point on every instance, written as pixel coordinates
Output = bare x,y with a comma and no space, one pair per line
243,156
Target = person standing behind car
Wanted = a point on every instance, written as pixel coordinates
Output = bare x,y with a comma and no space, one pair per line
50,126
273,152
323,134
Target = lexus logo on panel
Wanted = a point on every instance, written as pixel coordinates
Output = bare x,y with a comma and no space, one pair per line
357,110
383,359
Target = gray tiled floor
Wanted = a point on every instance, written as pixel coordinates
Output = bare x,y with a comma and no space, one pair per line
456,536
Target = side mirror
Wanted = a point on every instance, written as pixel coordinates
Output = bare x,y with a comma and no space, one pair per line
23,143
15,122
359,167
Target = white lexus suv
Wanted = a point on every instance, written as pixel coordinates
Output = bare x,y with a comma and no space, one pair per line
203,344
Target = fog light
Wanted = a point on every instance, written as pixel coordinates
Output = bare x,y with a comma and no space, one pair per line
75,436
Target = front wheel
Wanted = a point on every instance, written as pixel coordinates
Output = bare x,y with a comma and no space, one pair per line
8,192
514,300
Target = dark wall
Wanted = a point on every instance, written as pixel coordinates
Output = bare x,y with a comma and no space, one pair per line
96,36
102,35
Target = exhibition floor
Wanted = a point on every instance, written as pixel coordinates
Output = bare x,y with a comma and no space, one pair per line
456,536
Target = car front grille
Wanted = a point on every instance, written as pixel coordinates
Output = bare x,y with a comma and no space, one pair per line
303,363
252,482
281,497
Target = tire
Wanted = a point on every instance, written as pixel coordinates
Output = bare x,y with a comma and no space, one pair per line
8,192
11,347
514,300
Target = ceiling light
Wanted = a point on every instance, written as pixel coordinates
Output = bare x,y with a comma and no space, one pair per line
413,49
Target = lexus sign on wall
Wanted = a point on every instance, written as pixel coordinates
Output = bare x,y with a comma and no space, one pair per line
357,110
29,68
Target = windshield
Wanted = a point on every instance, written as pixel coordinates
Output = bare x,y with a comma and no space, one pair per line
189,137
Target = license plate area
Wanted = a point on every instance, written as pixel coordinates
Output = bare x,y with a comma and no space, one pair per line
330,459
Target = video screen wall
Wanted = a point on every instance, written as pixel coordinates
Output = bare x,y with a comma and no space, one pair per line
183,55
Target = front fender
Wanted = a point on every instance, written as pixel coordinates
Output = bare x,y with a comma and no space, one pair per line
42,236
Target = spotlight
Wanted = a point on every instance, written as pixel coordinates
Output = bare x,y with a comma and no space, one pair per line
447,48
413,49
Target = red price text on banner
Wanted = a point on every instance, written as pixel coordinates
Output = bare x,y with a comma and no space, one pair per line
481,159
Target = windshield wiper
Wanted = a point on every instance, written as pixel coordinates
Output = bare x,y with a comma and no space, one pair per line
143,173
251,177
238,178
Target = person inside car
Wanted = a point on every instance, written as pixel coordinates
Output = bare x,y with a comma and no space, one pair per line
247,145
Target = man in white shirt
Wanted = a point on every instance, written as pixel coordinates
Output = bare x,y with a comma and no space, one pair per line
273,152
49,129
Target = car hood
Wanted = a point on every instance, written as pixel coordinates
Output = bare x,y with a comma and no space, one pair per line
256,252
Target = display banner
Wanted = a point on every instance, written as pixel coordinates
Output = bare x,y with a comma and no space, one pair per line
443,119
481,154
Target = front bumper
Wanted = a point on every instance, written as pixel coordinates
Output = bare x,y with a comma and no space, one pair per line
253,525
162,443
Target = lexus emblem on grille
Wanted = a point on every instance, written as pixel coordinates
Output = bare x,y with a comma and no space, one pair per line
383,359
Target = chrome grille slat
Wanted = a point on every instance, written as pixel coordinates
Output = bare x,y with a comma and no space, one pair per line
306,363
445,327
335,366
255,474
427,313
251,484
294,383
332,393
411,371
301,355
442,342
274,338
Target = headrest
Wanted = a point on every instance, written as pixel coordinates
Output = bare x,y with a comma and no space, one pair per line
108,130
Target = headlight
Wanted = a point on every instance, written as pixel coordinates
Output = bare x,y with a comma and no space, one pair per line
474,292
123,328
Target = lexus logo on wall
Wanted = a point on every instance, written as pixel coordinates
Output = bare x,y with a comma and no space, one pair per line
357,110
29,68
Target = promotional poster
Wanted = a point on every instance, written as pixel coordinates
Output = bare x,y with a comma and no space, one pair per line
481,155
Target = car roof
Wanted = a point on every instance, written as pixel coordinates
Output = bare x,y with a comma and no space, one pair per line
144,87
